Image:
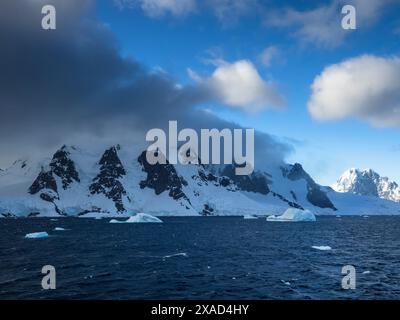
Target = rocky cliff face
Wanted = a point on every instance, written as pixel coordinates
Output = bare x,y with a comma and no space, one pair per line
315,195
163,178
256,182
61,168
107,182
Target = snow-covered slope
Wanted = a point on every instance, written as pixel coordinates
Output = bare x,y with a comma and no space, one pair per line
119,182
368,183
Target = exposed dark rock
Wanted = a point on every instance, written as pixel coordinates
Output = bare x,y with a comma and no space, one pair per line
225,181
8,215
314,193
256,182
290,203
62,166
44,180
208,177
111,163
93,209
162,177
48,197
208,210
107,181
33,214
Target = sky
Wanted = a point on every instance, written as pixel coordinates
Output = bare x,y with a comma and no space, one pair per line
319,95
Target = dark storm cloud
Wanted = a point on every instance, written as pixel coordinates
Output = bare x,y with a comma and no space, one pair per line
72,81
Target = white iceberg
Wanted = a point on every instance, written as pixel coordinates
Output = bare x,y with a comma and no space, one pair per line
59,229
139,218
36,235
294,215
249,217
322,248
286,282
116,221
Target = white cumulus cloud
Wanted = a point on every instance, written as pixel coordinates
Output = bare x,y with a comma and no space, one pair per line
366,87
239,85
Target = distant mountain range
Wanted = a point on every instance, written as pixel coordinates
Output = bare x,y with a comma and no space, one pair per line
120,182
368,183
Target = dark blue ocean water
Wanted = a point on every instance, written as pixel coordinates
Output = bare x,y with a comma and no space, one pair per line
201,258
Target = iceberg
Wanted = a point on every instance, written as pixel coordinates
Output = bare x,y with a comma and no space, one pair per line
59,229
294,215
249,217
322,248
139,218
116,221
36,235
286,282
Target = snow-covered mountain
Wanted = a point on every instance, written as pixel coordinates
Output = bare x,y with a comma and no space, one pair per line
368,183
120,182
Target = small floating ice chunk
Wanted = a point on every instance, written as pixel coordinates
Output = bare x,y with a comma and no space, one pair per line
37,235
286,282
139,218
59,229
294,215
249,217
366,272
180,254
322,248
